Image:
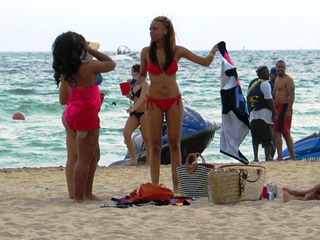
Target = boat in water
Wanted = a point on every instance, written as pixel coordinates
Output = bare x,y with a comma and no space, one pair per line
197,134
306,149
124,52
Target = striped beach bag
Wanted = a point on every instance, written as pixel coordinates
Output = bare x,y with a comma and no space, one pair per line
193,176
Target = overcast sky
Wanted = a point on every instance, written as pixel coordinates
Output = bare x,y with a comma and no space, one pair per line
32,25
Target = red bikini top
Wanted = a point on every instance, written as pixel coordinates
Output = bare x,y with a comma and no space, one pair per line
154,68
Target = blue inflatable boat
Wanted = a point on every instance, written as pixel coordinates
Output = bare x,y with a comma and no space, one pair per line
307,148
197,134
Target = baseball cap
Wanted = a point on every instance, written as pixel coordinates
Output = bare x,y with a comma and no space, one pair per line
273,71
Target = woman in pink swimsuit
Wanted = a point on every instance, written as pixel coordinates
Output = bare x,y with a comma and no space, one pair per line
69,52
161,59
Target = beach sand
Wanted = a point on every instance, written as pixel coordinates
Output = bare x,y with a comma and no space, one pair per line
34,205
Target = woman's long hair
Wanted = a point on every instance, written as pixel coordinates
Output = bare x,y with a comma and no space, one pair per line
67,50
169,43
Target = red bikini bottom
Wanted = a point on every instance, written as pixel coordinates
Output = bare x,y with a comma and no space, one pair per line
164,104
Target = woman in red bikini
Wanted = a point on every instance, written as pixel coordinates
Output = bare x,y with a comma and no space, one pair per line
69,52
161,59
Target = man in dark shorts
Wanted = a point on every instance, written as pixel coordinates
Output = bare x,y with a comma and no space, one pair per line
262,109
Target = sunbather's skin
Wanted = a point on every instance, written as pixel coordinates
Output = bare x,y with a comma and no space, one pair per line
64,92
69,52
160,59
303,195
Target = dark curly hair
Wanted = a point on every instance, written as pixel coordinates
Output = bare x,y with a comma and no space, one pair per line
169,43
68,50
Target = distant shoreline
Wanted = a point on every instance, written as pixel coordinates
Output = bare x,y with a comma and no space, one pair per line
235,50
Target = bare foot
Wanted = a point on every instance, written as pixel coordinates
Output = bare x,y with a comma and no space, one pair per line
176,190
131,163
78,200
92,197
294,192
287,196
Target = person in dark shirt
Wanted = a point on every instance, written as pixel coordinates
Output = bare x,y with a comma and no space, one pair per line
261,108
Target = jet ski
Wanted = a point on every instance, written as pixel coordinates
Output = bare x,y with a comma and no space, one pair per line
307,148
197,134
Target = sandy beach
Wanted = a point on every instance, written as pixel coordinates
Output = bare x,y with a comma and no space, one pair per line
35,205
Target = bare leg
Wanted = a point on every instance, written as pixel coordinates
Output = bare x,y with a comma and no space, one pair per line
131,125
146,137
71,160
88,195
295,192
174,119
273,152
316,188
287,196
267,153
86,149
71,156
278,143
309,194
155,124
289,143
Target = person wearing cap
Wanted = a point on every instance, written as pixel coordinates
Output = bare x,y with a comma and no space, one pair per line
261,111
284,94
273,76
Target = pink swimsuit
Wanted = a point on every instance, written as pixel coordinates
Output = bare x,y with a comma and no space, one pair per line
83,108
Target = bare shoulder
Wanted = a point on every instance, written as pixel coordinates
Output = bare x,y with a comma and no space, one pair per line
180,51
145,52
288,79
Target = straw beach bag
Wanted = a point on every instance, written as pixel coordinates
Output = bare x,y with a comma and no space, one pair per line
193,176
254,182
226,185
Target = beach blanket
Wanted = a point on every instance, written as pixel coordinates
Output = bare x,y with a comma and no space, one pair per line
126,202
235,123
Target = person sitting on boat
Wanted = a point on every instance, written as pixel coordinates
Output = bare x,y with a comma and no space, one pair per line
137,116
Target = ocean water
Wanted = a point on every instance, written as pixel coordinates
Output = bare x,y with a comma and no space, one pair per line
27,85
